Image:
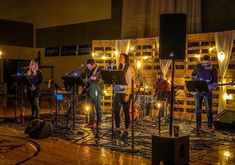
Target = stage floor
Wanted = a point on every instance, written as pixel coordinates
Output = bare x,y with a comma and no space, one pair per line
68,146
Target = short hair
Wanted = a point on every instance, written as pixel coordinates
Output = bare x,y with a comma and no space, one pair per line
206,58
90,61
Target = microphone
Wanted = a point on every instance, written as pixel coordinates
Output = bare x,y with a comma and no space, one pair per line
109,66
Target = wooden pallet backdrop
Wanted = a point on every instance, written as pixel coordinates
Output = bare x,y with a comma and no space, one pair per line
145,50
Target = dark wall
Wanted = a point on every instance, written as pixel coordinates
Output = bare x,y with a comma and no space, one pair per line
218,15
83,32
16,33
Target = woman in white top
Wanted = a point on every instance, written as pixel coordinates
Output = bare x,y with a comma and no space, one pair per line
123,94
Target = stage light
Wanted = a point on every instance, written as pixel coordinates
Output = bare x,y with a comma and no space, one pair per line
221,56
138,64
227,96
227,154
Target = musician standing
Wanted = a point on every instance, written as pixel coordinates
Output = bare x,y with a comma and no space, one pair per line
35,78
93,89
123,94
206,72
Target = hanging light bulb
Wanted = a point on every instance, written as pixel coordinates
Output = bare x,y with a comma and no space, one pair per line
104,57
198,56
132,48
227,96
138,64
221,56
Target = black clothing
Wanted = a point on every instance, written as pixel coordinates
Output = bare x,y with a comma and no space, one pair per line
33,96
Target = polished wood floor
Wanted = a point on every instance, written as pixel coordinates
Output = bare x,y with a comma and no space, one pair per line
17,148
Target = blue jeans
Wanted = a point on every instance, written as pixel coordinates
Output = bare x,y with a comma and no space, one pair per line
207,97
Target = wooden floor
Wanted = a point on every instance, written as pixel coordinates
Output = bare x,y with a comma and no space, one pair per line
15,147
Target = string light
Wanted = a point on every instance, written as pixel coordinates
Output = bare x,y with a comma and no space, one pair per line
227,96
138,64
227,154
0,54
159,105
221,56
211,49
132,48
104,57
198,56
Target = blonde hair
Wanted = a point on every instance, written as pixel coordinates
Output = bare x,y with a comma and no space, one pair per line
30,72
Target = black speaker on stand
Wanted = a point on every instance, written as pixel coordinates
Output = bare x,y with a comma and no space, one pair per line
172,46
171,150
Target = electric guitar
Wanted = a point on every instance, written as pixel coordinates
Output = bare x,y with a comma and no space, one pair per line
88,82
214,86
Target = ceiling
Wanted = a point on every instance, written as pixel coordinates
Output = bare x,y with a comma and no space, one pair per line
47,13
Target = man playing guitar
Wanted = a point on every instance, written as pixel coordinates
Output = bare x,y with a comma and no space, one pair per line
93,89
205,72
35,78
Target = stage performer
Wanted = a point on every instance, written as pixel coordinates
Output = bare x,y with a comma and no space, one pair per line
34,80
123,94
94,90
206,72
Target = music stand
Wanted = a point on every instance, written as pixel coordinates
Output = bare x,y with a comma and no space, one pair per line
72,81
113,77
196,86
20,81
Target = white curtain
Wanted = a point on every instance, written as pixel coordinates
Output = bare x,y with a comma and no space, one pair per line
224,44
121,46
164,64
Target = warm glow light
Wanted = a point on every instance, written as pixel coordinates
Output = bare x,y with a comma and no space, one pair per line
132,48
115,53
158,105
104,57
211,49
221,56
105,91
0,52
227,154
145,57
138,64
227,96
87,108
198,56
93,54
